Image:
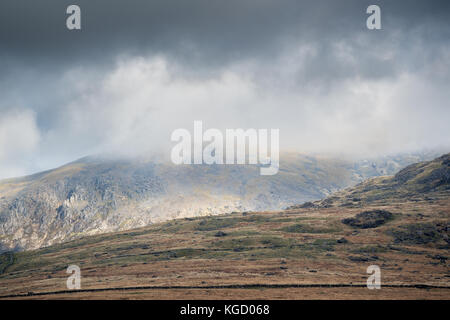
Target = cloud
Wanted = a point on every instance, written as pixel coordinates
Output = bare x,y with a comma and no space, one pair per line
19,138
133,108
136,72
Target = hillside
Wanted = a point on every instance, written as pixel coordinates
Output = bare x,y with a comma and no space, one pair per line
429,180
97,195
321,251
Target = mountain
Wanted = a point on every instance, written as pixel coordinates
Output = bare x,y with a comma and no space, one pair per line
97,194
424,180
319,251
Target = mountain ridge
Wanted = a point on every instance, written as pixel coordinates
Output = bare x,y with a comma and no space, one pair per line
424,179
96,195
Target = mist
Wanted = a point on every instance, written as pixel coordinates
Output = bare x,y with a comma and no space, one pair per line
312,71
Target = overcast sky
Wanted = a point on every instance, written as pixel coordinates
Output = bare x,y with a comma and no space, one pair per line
140,69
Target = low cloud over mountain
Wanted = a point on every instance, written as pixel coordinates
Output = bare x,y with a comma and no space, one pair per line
137,71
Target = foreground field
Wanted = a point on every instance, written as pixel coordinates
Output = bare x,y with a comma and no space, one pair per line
198,258
257,294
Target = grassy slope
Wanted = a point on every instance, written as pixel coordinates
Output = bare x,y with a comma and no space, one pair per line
423,180
290,247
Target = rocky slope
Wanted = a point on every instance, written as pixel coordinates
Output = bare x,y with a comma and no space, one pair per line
96,195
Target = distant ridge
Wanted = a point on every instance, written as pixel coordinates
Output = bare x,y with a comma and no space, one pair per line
422,180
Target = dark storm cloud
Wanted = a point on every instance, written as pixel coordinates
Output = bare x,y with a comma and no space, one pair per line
208,35
310,68
206,31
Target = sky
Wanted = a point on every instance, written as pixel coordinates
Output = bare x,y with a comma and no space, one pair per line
137,70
